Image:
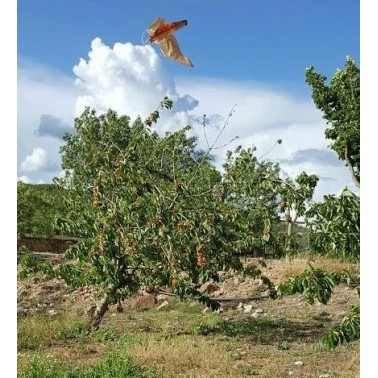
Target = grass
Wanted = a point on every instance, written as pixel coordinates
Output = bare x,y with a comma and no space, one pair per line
181,341
112,365
41,332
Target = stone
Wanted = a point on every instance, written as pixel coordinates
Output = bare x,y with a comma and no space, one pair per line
161,298
324,376
240,306
208,288
164,304
145,302
258,312
247,309
52,312
218,293
298,363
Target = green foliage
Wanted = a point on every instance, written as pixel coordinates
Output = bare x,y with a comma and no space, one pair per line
249,186
295,196
340,103
37,208
347,331
115,365
76,330
255,189
335,226
314,283
150,209
154,211
318,284
30,264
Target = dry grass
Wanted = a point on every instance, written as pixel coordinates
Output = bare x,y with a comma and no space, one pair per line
279,270
184,342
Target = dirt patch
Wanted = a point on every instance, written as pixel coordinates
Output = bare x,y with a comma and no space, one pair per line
44,296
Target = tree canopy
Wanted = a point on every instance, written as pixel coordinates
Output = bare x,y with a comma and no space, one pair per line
340,103
153,210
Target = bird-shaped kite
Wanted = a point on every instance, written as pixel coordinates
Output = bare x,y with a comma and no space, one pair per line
162,34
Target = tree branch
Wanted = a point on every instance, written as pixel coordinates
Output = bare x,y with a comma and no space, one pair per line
349,164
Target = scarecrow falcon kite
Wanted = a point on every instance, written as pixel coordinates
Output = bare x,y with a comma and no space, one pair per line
163,35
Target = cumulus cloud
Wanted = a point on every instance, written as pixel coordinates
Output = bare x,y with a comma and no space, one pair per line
52,126
133,80
41,90
130,80
24,179
37,161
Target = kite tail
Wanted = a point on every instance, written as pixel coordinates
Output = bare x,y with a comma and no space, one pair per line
144,40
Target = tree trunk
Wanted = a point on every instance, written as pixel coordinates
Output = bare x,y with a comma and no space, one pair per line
355,178
101,308
289,242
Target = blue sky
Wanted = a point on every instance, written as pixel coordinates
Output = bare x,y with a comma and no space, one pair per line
250,53
270,40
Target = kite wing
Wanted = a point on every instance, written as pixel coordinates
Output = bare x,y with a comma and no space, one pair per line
162,34
171,49
155,25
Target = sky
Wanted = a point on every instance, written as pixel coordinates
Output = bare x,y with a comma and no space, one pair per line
249,56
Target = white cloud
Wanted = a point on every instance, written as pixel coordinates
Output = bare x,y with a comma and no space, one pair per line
129,79
41,90
24,179
36,161
133,80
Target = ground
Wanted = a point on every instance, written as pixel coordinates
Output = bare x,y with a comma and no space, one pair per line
265,337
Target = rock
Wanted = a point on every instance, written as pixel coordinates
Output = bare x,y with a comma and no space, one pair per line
247,309
236,281
208,288
161,298
145,302
218,293
240,306
290,372
298,363
324,376
162,305
90,309
52,312
258,312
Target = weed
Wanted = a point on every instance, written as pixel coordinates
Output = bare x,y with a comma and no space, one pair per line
113,365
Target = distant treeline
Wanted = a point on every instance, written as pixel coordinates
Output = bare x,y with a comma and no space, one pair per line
37,208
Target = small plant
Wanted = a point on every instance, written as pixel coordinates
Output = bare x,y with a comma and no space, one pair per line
282,345
314,284
115,365
347,331
30,264
73,332
105,334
